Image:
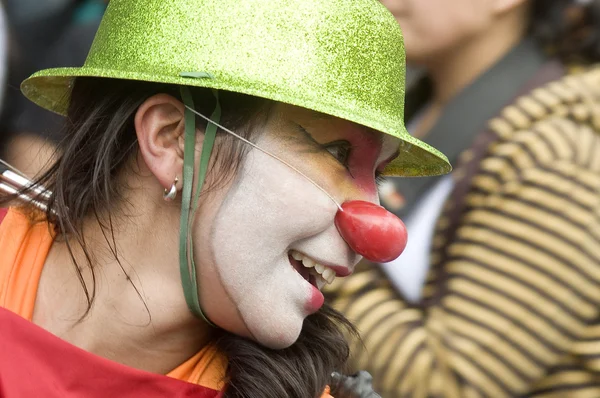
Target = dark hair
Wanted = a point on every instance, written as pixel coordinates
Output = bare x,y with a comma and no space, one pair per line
83,182
569,29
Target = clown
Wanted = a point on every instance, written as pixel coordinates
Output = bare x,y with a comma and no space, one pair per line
229,148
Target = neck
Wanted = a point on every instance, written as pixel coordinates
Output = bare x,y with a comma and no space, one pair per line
139,316
457,68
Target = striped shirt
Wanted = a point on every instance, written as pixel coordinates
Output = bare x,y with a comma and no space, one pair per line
511,306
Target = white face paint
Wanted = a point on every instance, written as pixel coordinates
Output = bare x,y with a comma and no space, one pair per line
271,211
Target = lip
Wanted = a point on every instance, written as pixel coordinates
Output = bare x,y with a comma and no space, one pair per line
316,299
339,270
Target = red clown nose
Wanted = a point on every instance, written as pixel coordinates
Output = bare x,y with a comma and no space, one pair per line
371,231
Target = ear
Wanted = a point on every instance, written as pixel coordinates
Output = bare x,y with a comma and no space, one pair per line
160,126
503,6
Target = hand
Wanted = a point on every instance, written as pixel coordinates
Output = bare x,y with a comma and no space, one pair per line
359,385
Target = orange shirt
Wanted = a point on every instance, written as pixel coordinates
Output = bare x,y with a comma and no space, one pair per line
24,247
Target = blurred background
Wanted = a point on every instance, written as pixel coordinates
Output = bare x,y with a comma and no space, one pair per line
38,34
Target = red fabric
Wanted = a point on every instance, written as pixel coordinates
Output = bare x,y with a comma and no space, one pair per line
35,363
3,213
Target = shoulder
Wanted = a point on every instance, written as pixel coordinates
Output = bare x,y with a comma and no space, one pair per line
24,245
545,153
3,213
558,123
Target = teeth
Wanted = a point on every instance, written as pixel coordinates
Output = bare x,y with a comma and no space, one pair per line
320,282
297,256
323,275
308,263
328,275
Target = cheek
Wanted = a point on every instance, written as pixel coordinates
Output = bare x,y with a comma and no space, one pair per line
267,210
438,26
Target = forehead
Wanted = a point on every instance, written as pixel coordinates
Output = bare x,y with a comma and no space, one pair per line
321,123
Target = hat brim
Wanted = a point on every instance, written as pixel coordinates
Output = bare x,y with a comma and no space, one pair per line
51,89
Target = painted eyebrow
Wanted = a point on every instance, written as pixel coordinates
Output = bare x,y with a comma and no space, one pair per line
317,146
320,116
394,156
306,133
324,116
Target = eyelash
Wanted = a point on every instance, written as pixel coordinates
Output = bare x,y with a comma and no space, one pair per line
379,178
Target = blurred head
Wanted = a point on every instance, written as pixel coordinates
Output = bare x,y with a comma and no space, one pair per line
433,28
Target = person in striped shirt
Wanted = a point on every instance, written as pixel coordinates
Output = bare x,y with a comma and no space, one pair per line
510,243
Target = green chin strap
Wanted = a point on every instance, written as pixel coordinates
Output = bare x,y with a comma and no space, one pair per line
187,267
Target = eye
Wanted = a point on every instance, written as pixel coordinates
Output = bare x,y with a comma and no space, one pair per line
340,150
379,178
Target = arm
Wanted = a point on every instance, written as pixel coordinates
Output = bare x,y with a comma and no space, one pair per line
521,284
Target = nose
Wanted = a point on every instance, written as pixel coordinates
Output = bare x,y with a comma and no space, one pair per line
371,231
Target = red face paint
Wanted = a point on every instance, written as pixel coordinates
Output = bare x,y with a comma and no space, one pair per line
366,149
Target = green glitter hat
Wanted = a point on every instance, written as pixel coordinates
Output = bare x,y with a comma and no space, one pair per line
340,57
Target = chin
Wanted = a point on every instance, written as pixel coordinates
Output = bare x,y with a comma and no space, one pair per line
279,338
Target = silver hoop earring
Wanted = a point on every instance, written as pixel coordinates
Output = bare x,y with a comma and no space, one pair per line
170,194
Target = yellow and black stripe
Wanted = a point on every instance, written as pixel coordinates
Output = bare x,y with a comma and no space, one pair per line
511,306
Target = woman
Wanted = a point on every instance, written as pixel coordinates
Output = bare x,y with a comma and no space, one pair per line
287,111
511,303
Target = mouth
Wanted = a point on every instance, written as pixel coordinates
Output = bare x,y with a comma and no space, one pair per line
314,273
